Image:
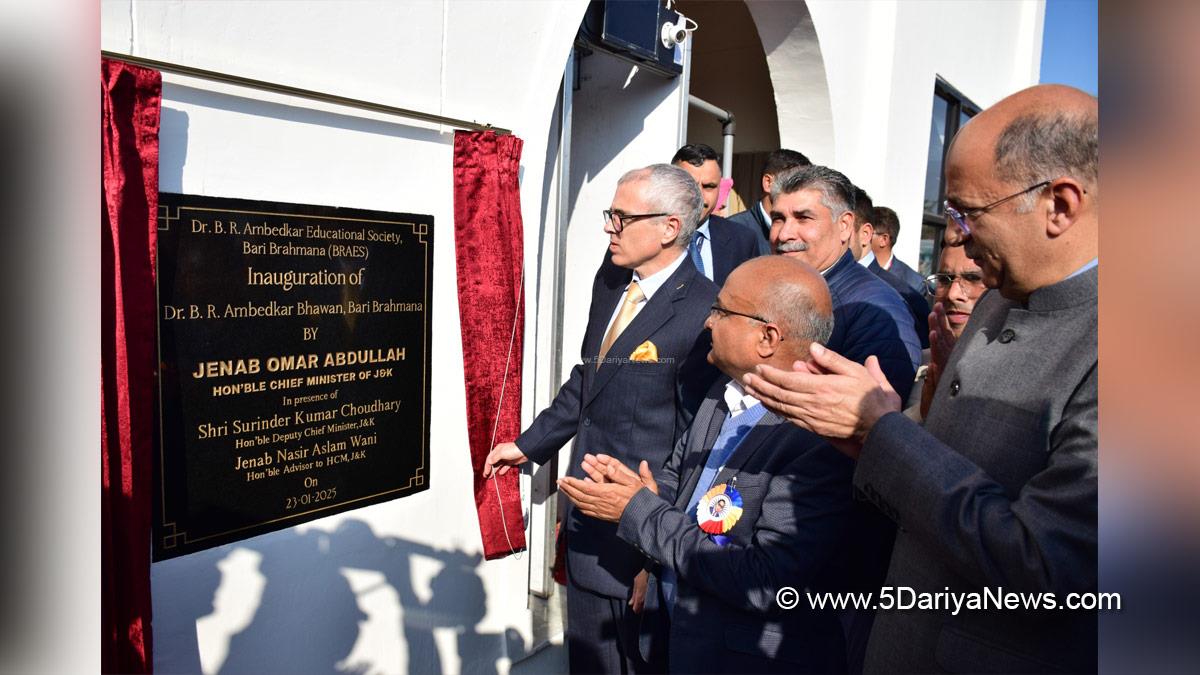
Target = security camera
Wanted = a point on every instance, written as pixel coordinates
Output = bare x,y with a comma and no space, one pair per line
674,33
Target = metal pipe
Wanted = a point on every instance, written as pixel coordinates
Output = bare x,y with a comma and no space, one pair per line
728,129
301,93
685,85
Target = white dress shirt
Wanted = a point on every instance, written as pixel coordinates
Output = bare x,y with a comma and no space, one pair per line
736,398
705,249
649,286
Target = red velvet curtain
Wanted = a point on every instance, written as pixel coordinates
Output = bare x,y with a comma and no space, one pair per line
130,101
489,253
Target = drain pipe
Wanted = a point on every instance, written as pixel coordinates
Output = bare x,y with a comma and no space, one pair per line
727,131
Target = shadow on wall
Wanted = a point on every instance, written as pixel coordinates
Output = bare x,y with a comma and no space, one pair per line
341,602
172,154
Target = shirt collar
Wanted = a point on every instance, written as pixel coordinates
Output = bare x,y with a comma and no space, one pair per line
766,216
1089,265
703,229
736,398
655,281
867,259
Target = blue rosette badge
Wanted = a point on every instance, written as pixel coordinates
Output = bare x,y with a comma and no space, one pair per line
719,509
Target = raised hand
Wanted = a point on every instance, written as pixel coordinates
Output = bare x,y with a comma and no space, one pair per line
831,396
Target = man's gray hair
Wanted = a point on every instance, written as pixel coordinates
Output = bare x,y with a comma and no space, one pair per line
837,192
1047,145
670,189
789,304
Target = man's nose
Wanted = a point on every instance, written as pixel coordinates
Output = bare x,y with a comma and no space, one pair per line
954,235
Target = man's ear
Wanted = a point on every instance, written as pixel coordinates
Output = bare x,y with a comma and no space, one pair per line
845,225
767,181
769,340
1066,206
674,225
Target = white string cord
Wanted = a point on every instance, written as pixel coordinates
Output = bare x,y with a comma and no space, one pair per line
500,406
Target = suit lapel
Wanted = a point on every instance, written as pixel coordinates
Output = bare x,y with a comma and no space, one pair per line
767,425
719,247
756,211
699,444
657,312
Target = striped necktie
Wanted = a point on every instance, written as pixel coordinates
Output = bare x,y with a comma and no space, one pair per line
694,250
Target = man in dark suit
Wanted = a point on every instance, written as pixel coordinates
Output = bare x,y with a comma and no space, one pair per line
918,306
812,219
643,373
718,245
998,489
887,229
714,591
757,216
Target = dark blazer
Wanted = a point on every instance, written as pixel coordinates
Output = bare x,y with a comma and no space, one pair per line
732,244
917,304
998,489
796,500
871,318
903,272
631,410
752,218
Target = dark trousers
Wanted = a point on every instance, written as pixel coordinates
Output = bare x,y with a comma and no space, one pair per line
602,634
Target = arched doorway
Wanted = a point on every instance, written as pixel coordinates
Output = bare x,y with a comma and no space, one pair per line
762,61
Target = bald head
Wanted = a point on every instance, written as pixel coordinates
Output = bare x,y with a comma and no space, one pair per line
791,293
1032,160
768,312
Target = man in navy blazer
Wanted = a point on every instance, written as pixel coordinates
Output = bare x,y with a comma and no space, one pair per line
713,597
887,229
642,376
719,244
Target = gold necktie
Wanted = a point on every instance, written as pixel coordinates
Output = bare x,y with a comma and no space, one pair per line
632,297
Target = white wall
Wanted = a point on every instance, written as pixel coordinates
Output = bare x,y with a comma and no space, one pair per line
881,60
398,586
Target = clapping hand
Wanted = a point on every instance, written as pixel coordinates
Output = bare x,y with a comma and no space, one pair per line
609,486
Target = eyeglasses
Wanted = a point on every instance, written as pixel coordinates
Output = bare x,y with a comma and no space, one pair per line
618,220
960,218
721,312
970,281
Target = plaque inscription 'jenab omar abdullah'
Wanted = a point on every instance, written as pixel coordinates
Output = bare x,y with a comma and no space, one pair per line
294,365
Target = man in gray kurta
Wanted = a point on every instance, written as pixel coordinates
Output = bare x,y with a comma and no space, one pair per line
997,491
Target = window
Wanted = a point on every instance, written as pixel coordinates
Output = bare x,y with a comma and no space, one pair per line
951,110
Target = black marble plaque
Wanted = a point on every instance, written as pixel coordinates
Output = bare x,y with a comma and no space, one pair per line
294,365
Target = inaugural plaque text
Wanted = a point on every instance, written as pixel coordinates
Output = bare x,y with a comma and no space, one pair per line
294,365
